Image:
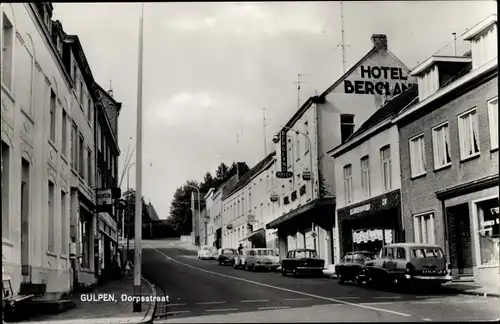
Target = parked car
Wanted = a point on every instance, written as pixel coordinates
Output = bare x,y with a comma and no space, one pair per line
240,259
408,263
262,258
302,261
207,252
226,256
351,266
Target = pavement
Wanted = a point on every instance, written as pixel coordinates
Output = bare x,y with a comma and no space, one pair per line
202,291
105,310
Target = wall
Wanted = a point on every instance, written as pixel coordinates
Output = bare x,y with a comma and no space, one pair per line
25,128
418,195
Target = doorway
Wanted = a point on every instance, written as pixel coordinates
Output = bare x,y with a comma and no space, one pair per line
460,241
25,220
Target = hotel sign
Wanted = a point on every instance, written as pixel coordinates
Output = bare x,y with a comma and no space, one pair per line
284,173
378,80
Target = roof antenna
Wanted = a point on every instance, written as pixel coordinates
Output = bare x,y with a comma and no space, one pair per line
110,91
298,83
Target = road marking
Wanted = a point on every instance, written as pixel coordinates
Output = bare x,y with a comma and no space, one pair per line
285,289
295,299
387,297
221,310
211,303
180,304
277,307
178,312
378,303
255,301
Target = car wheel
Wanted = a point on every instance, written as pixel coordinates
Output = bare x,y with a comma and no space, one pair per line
245,266
340,279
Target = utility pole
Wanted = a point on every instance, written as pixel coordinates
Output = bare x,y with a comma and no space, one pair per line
265,140
137,305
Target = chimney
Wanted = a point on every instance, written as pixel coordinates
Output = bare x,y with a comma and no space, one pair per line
379,41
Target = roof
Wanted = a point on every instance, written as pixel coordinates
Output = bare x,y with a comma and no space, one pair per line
117,103
422,67
252,173
389,109
480,27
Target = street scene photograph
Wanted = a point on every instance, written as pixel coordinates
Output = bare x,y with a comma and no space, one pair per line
243,162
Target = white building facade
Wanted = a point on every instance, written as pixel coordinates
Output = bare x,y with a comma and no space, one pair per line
37,99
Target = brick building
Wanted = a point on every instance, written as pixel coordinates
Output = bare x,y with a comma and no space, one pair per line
449,157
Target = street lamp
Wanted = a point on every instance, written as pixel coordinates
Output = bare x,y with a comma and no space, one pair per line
199,202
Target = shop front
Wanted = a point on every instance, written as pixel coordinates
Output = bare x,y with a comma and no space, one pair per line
371,224
472,230
107,246
309,226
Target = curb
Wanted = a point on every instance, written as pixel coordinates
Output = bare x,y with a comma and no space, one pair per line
474,293
148,317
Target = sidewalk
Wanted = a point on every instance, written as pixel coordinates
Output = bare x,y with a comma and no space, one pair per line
470,288
104,311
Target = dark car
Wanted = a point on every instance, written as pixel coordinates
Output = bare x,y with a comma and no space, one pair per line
351,266
226,256
302,261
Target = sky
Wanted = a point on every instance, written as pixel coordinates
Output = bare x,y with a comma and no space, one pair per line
211,68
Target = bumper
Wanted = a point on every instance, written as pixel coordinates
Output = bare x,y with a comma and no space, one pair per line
267,266
429,279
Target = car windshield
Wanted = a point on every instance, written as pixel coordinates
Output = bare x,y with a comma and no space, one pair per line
265,252
208,249
361,257
305,254
427,253
229,252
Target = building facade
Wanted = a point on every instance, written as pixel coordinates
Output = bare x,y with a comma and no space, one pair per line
107,110
247,207
368,186
308,191
449,157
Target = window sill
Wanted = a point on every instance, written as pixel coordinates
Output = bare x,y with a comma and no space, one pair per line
63,256
64,158
29,116
75,173
51,254
8,92
53,145
7,242
442,167
471,157
492,150
417,176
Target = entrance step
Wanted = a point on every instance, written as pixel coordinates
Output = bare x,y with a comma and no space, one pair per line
51,307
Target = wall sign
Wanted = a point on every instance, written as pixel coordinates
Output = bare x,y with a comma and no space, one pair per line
374,81
372,206
104,197
284,173
357,210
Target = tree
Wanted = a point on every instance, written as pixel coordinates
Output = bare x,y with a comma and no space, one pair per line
180,210
129,197
208,182
221,172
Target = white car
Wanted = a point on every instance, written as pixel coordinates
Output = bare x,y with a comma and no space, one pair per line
207,252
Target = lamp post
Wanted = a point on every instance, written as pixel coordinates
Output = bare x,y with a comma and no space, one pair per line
199,202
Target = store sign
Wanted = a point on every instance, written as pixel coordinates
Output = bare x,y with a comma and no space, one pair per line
284,173
359,209
378,80
108,220
104,197
388,201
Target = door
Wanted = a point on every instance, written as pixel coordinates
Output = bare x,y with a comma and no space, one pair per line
460,241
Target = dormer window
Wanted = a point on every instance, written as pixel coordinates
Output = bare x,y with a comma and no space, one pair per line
483,38
428,83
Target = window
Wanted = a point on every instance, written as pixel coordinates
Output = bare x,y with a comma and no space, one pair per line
348,183
493,122
51,224
484,47
306,130
365,176
82,93
424,228
64,223
468,132
417,155
297,145
400,253
385,158
99,178
5,179
52,116
74,147
98,130
7,52
74,72
89,168
89,109
346,126
441,146
81,157
428,83
488,219
64,133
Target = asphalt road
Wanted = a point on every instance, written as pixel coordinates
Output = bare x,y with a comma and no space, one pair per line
204,291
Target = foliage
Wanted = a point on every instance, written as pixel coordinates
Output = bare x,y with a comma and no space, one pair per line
324,189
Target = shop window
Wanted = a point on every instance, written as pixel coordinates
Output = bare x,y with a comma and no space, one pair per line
365,176
468,134
441,146
493,122
348,183
424,228
489,224
5,179
417,155
385,160
346,126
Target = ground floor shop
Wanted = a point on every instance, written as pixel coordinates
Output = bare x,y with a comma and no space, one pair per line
370,224
470,214
107,247
309,226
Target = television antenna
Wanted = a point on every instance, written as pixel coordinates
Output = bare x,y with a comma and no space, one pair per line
298,83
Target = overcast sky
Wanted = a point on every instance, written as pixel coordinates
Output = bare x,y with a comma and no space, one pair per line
211,68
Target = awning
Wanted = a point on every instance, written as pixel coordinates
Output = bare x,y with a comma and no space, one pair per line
321,207
257,238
